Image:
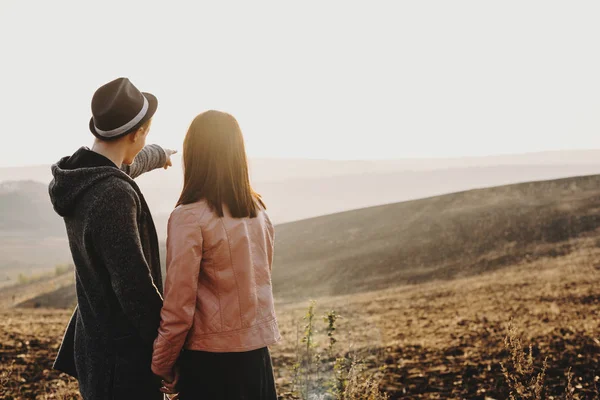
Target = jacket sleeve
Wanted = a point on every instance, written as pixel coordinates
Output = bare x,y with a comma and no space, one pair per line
117,244
184,255
151,157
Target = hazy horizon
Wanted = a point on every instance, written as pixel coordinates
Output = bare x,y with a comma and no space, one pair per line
339,81
498,157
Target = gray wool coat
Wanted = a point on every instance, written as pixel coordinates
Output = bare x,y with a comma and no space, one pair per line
107,345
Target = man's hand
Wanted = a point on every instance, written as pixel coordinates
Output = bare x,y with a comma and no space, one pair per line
169,153
170,384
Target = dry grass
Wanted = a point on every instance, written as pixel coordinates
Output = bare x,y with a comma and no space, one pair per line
440,340
447,339
359,387
524,380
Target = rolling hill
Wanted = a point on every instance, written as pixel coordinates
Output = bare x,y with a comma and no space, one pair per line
32,236
438,238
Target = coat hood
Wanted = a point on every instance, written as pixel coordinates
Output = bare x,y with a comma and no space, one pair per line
72,178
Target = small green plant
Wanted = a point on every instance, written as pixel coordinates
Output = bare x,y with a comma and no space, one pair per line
309,332
297,365
338,382
330,318
333,377
318,361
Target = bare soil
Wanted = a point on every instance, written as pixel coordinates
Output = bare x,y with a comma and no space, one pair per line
437,340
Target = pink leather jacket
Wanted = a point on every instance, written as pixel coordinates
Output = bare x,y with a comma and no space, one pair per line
218,295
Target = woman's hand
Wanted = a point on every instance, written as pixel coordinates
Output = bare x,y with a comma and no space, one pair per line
169,383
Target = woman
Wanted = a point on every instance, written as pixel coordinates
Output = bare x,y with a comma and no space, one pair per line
218,304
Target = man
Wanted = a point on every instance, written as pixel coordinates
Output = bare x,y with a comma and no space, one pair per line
108,343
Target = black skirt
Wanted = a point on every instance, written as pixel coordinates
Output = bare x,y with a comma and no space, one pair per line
227,376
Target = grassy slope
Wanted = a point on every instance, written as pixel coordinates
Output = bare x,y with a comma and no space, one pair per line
437,238
438,340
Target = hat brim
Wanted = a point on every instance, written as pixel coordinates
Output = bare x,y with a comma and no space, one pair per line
152,106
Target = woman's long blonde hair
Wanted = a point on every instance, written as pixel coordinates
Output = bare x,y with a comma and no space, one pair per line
216,167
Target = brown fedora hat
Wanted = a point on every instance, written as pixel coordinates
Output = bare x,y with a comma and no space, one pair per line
119,108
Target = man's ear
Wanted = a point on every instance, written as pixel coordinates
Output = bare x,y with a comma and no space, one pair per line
135,136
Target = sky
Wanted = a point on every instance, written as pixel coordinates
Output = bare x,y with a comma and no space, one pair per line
310,79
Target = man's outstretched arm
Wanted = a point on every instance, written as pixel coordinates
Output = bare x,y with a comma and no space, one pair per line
151,157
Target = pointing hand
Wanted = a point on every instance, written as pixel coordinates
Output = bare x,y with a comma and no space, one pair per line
169,153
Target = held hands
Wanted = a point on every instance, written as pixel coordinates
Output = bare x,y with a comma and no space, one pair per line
169,384
169,153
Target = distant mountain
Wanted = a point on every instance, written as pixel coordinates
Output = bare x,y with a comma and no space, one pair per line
298,188
38,173
437,238
25,208
277,169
